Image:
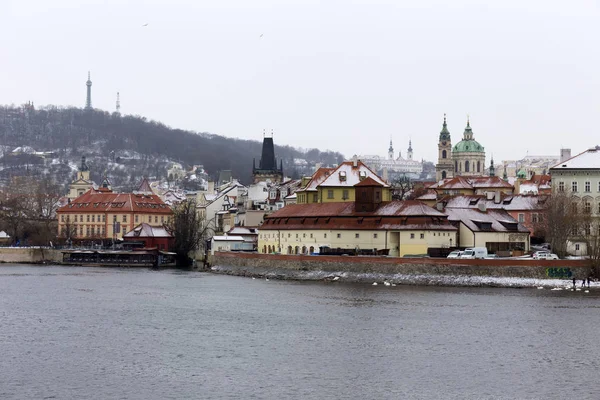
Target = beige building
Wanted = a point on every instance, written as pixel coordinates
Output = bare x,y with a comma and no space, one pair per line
495,230
367,225
580,176
104,215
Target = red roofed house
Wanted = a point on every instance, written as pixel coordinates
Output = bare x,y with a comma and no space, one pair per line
149,236
327,186
368,223
101,214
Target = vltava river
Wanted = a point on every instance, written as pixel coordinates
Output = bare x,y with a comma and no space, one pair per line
92,333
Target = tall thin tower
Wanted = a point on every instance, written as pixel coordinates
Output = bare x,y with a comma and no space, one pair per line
88,100
118,104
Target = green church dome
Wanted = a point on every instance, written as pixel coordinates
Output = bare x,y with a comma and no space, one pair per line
468,144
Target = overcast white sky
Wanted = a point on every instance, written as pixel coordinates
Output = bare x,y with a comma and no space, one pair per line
340,75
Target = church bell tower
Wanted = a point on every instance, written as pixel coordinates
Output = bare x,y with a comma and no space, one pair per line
444,167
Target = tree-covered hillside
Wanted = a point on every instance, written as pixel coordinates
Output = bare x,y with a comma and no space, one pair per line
127,147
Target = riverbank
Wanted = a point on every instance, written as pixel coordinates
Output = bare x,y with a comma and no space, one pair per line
413,271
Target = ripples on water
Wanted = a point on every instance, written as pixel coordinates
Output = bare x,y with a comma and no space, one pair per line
77,333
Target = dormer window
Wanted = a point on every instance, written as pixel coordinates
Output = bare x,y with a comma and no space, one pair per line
362,175
342,176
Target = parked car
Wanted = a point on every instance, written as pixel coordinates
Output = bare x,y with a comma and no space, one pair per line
455,254
545,256
474,252
536,254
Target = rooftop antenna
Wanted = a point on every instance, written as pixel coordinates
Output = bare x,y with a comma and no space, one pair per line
118,104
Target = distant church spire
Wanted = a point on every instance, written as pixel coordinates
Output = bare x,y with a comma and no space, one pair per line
492,168
118,103
391,150
88,100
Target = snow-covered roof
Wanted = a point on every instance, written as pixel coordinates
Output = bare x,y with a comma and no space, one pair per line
589,159
348,174
485,221
146,230
4,235
227,238
510,203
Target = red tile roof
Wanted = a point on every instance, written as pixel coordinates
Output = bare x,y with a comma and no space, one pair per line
108,201
368,182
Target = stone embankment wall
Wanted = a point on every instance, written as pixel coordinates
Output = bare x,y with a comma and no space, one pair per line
426,270
27,255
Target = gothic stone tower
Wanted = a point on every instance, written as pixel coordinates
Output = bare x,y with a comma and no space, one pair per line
267,166
88,99
444,167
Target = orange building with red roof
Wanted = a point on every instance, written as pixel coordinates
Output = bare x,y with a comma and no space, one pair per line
101,214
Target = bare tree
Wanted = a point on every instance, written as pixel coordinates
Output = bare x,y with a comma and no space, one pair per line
189,230
563,220
400,187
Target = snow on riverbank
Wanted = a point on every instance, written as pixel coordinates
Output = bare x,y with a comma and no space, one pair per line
398,279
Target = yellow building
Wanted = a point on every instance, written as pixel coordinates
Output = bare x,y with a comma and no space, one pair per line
329,185
367,224
104,215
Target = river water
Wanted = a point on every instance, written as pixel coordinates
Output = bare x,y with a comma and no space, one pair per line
93,333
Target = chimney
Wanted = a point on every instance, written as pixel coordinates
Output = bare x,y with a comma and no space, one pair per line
482,207
355,161
489,195
497,198
317,166
565,154
385,175
439,206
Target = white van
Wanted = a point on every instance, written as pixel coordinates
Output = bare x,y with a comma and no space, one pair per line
474,252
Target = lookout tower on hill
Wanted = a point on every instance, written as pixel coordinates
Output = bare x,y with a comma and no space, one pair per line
267,166
88,99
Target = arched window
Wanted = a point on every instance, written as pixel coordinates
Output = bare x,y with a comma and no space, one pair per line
265,249
443,174
478,166
444,153
467,166
297,250
311,250
303,249
290,250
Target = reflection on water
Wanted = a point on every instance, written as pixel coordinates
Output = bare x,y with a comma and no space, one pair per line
138,334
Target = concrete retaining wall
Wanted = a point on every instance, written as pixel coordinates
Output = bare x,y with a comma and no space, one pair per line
29,255
248,263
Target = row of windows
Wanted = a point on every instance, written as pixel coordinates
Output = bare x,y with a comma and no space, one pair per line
587,187
102,218
468,166
330,194
339,235
89,231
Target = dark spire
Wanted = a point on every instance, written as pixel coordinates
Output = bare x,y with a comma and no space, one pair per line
83,166
445,134
409,145
492,168
267,159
